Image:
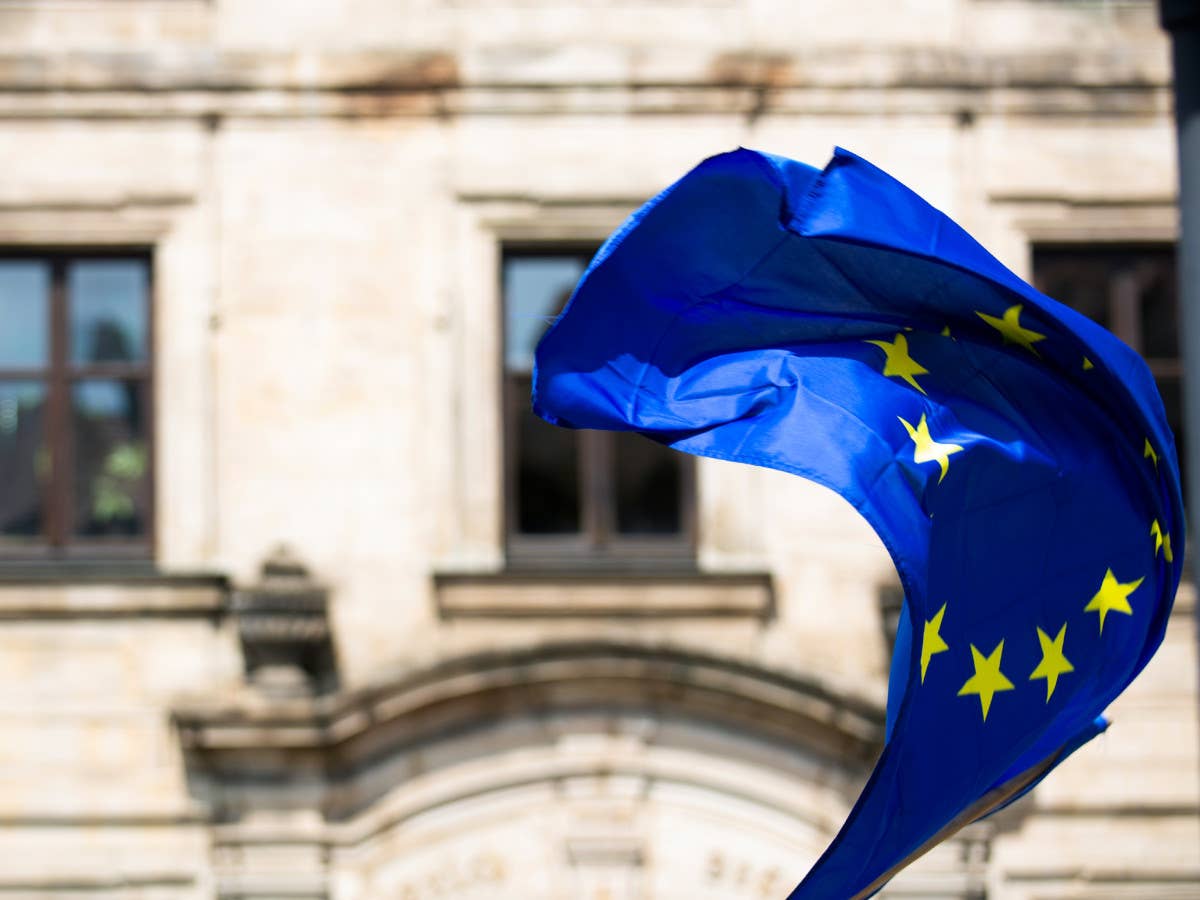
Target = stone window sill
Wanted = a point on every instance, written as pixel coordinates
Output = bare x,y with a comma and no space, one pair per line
107,590
559,594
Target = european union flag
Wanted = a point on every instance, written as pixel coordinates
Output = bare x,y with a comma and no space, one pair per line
1013,456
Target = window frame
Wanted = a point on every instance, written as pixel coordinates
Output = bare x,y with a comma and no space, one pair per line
1126,280
57,542
598,544
1123,299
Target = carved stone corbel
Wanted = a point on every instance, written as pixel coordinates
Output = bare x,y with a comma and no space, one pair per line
283,624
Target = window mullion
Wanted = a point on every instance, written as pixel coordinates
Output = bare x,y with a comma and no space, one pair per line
58,431
599,514
688,516
511,445
1125,306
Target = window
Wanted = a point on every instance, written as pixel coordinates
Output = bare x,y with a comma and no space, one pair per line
74,404
1130,289
577,496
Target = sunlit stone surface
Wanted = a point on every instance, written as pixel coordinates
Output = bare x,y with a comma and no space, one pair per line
389,710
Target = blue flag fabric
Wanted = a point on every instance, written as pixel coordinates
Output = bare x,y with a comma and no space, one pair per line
1013,457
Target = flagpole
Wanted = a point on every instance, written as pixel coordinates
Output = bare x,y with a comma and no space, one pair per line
1181,19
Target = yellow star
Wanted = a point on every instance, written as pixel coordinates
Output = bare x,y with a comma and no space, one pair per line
899,364
1053,663
988,679
1011,330
927,449
1162,540
1087,365
1113,596
1148,453
946,332
931,641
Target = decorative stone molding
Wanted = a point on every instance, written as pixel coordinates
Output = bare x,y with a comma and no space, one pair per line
313,779
284,628
475,691
556,595
60,593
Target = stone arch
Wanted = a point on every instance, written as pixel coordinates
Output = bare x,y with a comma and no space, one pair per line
581,769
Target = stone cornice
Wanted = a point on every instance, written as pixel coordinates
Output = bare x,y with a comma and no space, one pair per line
340,734
1137,67
1149,102
656,593
63,593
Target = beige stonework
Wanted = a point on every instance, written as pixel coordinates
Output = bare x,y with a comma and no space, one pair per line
327,188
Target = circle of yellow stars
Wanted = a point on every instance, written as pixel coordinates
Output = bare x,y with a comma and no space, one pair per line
988,679
1113,595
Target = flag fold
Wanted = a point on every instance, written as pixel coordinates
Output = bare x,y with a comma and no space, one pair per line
1013,457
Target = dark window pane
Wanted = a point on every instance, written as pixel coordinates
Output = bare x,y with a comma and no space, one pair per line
24,313
547,461
24,460
1172,395
1078,279
111,464
1160,314
648,485
547,458
108,310
547,479
567,482
535,290
1141,307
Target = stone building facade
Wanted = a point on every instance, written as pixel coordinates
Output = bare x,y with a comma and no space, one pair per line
284,610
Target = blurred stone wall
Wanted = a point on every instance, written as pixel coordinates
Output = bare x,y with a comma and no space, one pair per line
387,709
